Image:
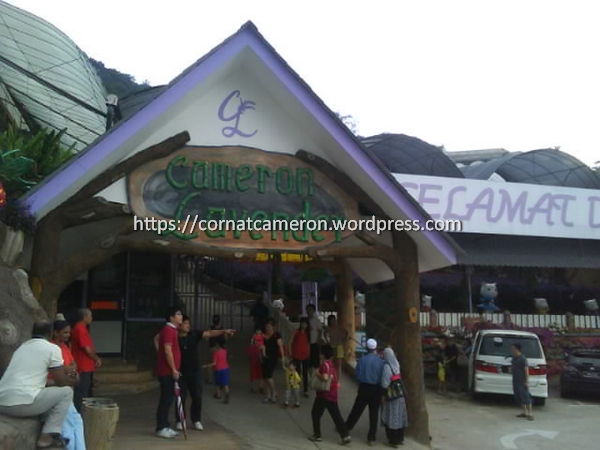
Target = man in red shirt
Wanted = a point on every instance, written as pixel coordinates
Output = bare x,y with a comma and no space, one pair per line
85,357
168,364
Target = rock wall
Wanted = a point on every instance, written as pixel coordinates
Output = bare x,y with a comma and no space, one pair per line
18,311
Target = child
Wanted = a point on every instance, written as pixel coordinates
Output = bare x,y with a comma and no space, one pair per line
441,374
259,340
292,378
221,368
255,365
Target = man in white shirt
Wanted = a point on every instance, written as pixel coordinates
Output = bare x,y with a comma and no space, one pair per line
23,391
315,329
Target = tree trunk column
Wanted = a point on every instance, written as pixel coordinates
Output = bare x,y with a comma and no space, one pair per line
45,263
407,342
345,307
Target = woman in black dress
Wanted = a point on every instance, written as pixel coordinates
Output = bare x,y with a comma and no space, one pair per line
274,350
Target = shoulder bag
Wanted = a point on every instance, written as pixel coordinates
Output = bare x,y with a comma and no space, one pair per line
317,384
396,388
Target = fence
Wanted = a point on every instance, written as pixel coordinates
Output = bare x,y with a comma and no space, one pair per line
322,315
522,320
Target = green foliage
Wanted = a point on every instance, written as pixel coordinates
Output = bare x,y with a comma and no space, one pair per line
26,159
117,83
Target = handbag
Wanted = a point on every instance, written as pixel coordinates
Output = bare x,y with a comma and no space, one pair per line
317,384
396,388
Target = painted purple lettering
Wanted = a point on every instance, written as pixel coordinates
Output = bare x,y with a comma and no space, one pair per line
424,200
564,207
483,201
235,116
592,215
544,205
511,208
450,214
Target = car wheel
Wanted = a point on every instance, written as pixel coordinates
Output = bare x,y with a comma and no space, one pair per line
539,401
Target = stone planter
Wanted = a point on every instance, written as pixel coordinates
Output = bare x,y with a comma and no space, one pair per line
12,246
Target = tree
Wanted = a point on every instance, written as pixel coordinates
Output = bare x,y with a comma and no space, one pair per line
349,121
117,83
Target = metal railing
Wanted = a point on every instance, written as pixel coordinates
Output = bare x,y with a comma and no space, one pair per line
522,320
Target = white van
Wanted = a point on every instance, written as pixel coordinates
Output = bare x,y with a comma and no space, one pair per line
490,363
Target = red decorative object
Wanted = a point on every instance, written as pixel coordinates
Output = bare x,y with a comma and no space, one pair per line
2,195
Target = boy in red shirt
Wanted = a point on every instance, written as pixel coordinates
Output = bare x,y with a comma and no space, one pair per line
85,357
221,368
168,362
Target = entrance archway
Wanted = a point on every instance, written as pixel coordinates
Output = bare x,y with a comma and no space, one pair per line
114,225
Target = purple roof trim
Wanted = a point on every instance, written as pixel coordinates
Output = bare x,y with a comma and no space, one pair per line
109,142
341,136
248,35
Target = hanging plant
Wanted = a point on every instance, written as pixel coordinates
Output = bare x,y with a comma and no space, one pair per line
16,215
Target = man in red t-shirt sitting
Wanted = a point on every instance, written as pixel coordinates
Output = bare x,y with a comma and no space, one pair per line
85,357
168,364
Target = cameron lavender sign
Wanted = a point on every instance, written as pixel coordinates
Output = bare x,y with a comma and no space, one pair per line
493,207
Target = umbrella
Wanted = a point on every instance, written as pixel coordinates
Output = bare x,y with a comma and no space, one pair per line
180,409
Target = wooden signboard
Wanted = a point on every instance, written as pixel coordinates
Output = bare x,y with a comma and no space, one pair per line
240,197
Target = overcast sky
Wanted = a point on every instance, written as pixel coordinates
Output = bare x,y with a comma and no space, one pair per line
519,75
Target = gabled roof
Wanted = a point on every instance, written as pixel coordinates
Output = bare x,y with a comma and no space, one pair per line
52,192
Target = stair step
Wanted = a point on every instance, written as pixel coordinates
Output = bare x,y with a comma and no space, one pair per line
139,376
108,389
117,368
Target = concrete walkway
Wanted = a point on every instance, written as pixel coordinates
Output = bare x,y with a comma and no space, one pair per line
245,423
456,422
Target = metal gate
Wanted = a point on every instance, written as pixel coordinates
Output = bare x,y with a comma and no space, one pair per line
200,296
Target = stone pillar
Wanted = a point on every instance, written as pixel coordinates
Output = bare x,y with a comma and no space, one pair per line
345,307
407,341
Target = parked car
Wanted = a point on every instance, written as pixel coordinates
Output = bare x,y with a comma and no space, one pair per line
581,373
490,363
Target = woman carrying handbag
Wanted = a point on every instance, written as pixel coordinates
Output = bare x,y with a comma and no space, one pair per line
325,382
393,411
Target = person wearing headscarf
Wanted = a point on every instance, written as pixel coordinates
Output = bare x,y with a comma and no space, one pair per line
393,412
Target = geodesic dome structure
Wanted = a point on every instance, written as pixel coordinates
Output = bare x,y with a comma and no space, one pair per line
46,81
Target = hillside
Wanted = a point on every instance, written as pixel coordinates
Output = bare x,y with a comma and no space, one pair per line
115,82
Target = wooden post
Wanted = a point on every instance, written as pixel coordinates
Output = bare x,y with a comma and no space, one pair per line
407,341
345,307
100,417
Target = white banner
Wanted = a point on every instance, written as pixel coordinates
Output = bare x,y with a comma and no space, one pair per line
493,207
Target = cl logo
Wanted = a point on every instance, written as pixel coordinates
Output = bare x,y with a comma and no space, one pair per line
244,105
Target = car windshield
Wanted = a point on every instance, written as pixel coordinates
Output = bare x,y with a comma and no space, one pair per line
498,345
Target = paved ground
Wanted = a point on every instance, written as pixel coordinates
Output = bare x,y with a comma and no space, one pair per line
456,422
